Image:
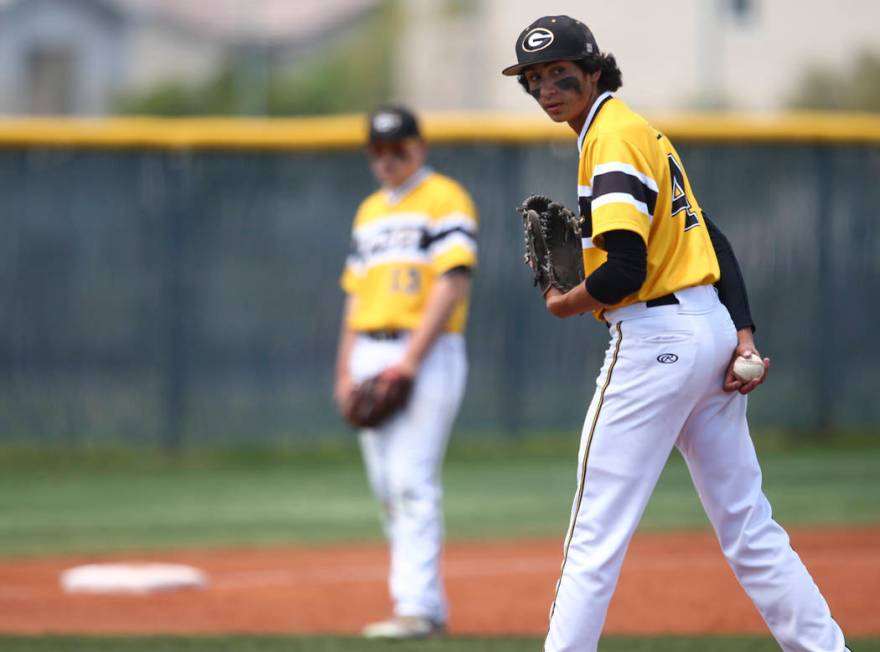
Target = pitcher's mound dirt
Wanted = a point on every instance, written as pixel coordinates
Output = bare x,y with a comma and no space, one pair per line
671,583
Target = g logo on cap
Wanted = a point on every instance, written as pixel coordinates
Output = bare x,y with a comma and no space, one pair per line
537,39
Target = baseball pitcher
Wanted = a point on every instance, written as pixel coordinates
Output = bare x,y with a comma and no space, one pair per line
665,280
401,363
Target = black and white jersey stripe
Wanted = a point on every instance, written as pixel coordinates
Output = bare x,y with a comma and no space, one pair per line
455,229
585,193
622,183
410,238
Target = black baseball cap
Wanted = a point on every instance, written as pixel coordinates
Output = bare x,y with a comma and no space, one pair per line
391,123
552,38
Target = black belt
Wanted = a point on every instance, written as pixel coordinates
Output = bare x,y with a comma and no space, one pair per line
666,300
385,335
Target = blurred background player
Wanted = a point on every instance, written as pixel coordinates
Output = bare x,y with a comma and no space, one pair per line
408,279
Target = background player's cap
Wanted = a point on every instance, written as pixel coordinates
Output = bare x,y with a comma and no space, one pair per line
391,123
552,38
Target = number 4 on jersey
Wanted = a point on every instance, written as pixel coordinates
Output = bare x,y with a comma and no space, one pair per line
680,201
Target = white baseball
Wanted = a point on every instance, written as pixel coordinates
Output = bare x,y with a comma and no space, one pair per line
748,369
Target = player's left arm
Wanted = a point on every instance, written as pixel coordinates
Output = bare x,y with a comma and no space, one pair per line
452,249
450,289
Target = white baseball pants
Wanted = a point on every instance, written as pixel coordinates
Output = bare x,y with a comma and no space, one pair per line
661,386
404,457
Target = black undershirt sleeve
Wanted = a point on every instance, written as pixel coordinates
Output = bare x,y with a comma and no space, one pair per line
624,271
731,286
627,267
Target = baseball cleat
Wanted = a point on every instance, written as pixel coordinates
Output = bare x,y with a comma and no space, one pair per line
405,627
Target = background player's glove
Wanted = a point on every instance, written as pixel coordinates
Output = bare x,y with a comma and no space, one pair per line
375,399
552,236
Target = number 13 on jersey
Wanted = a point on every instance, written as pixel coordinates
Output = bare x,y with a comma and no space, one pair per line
406,279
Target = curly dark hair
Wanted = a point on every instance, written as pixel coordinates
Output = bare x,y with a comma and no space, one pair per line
611,78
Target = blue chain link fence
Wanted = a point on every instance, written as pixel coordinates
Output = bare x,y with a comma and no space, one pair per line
171,296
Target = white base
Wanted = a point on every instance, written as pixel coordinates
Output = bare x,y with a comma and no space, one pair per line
131,577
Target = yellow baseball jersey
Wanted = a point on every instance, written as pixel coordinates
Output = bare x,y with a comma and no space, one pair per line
630,177
402,241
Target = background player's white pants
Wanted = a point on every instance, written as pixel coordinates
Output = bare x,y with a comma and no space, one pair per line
404,459
659,387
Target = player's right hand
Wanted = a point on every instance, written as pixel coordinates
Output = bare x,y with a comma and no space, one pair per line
342,392
734,384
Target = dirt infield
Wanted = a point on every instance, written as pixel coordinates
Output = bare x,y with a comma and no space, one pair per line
671,583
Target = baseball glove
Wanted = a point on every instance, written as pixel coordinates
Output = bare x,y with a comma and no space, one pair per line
375,399
553,243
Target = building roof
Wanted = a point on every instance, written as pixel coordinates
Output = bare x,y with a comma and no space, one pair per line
271,20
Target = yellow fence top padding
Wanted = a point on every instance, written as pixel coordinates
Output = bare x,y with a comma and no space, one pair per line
348,131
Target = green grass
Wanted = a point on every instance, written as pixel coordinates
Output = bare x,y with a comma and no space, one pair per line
120,500
341,644
65,503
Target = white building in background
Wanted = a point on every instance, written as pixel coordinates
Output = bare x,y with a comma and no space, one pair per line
73,57
76,56
674,54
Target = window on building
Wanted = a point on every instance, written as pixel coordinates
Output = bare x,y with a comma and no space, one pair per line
50,82
743,12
